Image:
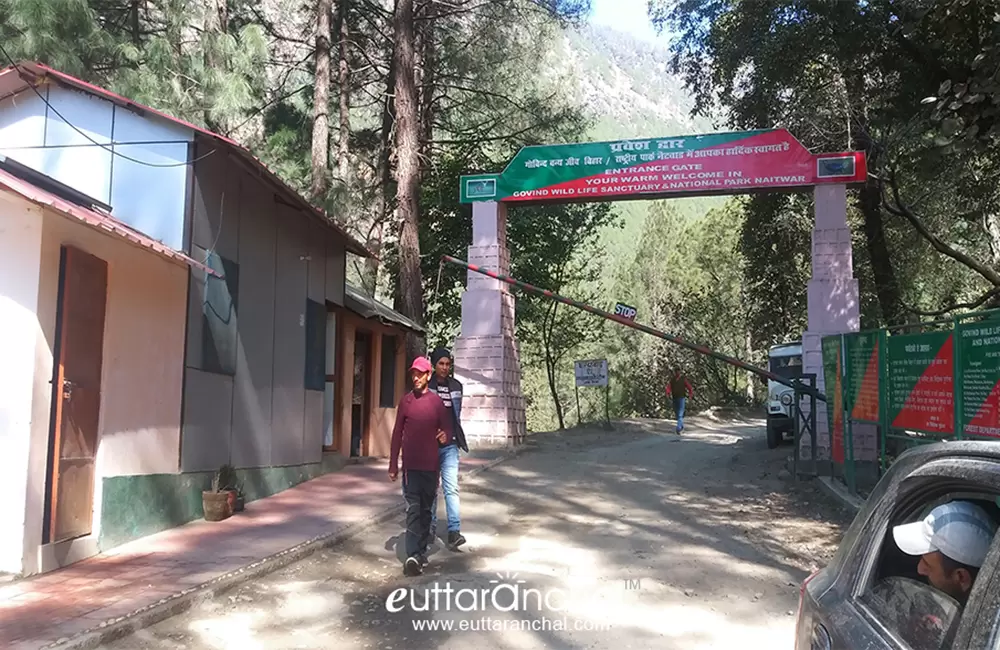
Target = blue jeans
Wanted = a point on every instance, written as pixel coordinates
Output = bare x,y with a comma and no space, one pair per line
679,410
449,485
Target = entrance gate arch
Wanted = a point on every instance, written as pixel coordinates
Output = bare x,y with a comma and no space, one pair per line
486,353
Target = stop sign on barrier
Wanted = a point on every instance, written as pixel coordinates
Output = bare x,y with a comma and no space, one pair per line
625,311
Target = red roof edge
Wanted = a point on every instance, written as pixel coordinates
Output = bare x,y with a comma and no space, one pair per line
103,222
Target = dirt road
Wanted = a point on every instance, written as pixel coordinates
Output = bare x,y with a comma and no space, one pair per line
634,538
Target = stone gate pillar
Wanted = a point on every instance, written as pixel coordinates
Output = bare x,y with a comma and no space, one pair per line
833,299
487,359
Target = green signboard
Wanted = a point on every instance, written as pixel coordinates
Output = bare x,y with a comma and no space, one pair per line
862,360
714,163
832,377
979,359
921,386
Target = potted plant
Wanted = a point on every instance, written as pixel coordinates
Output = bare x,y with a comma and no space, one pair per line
240,501
216,502
227,484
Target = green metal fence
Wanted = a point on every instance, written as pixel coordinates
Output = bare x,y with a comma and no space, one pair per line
894,388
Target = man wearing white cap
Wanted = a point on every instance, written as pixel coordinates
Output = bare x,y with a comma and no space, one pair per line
952,542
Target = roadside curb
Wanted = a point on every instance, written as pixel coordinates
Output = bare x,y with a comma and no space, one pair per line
839,492
119,628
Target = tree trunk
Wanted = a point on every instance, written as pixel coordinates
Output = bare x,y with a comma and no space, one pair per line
991,225
427,52
548,326
751,377
886,286
870,201
344,82
134,27
550,371
410,291
384,179
320,158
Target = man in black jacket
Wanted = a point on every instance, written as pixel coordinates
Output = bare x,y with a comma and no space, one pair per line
449,390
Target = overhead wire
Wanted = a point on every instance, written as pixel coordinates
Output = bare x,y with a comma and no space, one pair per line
108,148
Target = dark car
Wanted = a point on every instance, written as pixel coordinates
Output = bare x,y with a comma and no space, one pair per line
845,606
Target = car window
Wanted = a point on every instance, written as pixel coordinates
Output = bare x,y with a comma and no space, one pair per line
917,613
989,636
898,596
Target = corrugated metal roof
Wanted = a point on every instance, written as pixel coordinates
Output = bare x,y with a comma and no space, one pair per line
367,307
105,223
11,83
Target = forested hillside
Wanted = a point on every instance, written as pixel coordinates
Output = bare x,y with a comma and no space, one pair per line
655,256
374,108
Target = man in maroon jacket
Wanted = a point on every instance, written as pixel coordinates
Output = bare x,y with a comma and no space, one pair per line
422,423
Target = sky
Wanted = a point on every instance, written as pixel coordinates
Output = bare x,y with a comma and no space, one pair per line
626,16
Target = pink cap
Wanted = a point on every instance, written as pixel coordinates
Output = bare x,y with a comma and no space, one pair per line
422,364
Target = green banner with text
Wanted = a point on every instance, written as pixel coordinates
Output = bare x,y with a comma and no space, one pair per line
862,358
979,355
832,377
921,383
713,163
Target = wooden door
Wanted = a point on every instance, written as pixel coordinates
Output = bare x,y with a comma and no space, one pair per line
77,393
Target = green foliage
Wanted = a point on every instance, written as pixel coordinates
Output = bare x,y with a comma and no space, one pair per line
504,74
214,79
854,74
68,35
963,38
775,243
155,52
687,280
544,241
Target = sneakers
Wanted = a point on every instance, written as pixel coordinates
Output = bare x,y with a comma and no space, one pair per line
412,566
422,558
455,539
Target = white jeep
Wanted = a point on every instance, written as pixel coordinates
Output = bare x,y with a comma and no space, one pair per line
784,360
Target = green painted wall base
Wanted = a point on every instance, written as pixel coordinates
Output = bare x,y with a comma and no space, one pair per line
136,506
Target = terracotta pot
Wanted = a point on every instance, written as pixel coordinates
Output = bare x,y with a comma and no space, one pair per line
232,499
217,505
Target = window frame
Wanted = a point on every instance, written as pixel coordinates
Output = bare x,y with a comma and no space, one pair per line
392,401
214,363
926,483
986,635
314,370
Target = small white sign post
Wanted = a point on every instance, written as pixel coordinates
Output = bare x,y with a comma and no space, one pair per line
592,372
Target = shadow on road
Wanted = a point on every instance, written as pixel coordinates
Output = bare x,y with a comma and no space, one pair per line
684,541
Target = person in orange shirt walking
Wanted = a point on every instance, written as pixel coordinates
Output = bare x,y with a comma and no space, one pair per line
679,389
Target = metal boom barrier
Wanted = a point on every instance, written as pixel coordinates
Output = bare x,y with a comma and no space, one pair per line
701,349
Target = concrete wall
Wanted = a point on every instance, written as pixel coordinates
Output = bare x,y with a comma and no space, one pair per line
833,298
139,427
150,199
258,414
21,348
